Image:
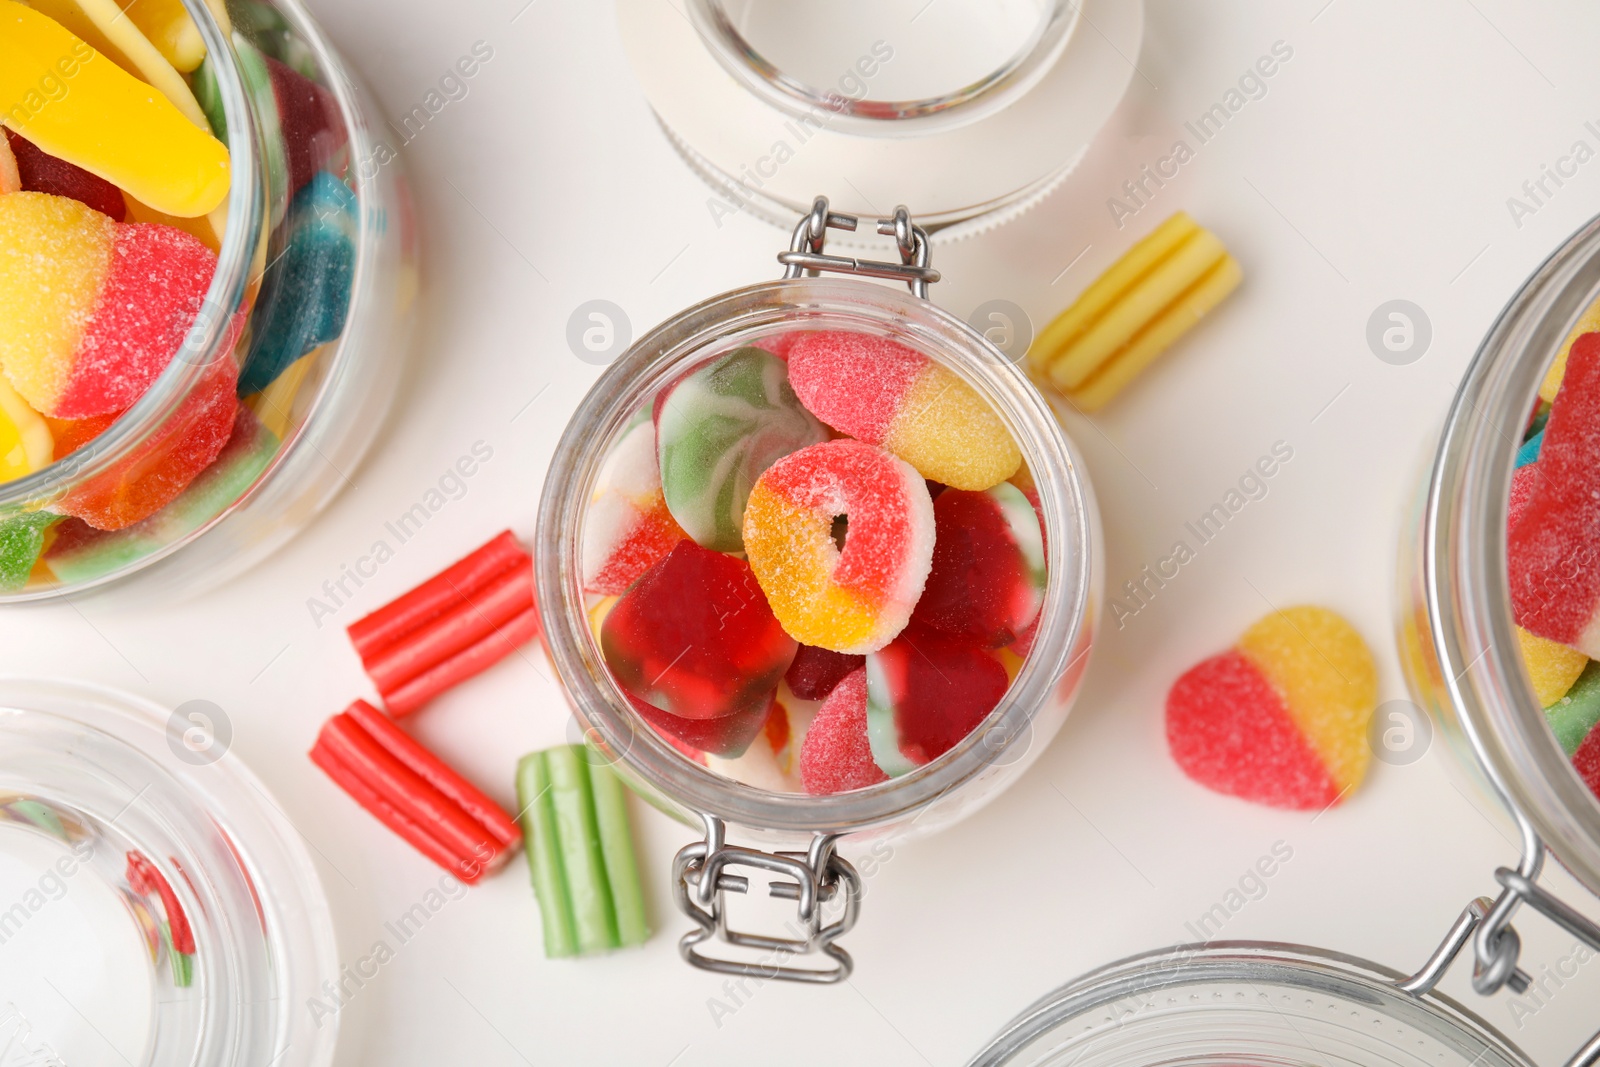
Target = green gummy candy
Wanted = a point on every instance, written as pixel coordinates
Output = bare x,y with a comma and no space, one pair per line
1574,715
718,429
580,853
21,541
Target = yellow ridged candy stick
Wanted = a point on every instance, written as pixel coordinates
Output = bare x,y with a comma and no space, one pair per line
167,25
274,405
103,26
103,119
1157,335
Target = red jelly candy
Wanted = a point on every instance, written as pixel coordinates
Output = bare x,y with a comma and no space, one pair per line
925,692
167,462
815,671
695,637
835,757
43,173
988,576
726,735
308,115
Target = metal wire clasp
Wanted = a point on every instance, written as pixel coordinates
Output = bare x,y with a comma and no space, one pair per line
805,255
1487,924
814,879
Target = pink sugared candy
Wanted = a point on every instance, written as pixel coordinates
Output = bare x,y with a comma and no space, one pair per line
835,756
91,310
883,393
1553,551
627,528
988,574
925,692
695,637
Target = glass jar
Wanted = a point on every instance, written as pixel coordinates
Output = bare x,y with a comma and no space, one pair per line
114,815
311,425
930,797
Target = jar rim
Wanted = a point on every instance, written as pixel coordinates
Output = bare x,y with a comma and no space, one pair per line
1463,559
1006,735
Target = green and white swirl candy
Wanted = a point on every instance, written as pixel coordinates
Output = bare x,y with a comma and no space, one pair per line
717,430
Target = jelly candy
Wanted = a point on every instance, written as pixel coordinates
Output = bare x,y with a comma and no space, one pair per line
313,132
1588,322
1552,667
26,443
167,25
726,736
815,671
718,428
1281,719
38,172
306,291
1529,450
111,123
1586,761
1143,303
988,574
628,527
1551,552
695,637
836,756
925,692
10,177
160,468
1574,715
1522,483
853,599
81,553
882,392
91,311
21,541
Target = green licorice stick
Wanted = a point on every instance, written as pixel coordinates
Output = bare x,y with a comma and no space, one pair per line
594,919
1574,715
542,846
616,847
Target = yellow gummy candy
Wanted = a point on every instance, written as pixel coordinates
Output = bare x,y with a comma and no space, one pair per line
1552,667
1588,323
167,25
1328,679
1143,303
950,434
25,441
76,104
10,179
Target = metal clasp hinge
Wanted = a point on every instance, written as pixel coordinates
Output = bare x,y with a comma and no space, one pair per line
806,257
813,879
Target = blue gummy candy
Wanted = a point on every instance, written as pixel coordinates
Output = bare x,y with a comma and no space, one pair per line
1530,449
306,291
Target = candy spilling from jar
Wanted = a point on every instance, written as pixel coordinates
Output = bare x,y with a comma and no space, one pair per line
1553,547
114,178
815,571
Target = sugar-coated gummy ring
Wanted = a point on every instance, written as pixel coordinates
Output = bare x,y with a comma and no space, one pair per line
853,599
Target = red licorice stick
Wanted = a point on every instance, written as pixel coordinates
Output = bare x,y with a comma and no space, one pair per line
507,595
404,788
143,876
369,798
403,747
463,665
441,593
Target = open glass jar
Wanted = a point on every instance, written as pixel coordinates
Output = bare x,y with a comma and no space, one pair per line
302,323
927,798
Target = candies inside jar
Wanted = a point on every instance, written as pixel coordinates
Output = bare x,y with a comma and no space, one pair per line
183,299
814,561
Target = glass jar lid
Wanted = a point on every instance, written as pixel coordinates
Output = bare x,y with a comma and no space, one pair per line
1246,1004
935,105
153,897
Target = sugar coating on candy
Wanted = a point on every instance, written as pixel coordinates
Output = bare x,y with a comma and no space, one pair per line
952,435
717,429
1328,679
926,692
627,527
1575,714
854,382
1523,481
1231,731
695,637
815,671
853,600
1552,667
40,172
55,255
836,756
988,575
21,541
1553,552
1586,761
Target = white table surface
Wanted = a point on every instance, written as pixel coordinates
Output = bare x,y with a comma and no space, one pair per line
1376,167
